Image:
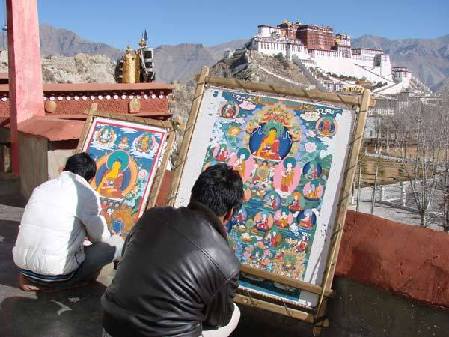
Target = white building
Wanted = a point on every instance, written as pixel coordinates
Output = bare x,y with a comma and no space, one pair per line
271,41
330,59
339,59
401,73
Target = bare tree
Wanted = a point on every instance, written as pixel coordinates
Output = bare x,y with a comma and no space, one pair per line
444,110
422,140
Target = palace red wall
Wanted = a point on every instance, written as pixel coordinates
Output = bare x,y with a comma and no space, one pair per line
404,259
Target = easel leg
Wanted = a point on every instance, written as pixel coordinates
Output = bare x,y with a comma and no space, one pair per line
321,321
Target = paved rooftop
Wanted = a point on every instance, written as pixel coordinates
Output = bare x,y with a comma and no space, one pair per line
77,312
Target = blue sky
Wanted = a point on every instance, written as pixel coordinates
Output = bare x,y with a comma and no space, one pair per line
119,23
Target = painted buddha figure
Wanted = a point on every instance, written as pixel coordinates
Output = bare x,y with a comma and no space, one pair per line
222,154
262,173
287,178
105,135
262,223
295,205
145,144
111,180
269,148
326,128
240,164
313,191
124,143
307,219
312,170
282,222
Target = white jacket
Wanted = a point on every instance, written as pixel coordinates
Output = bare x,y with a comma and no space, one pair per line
59,215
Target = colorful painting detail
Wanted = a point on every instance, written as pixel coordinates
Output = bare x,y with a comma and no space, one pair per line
283,150
127,155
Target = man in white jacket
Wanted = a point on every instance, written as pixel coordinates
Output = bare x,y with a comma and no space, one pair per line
60,214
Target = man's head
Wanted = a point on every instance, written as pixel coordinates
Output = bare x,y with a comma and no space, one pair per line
81,164
220,188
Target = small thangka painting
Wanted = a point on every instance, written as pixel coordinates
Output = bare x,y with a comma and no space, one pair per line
127,156
290,155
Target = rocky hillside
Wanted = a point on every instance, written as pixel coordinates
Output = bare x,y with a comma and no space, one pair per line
81,68
428,59
253,66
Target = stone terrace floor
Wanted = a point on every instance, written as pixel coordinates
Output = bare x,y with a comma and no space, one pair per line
77,312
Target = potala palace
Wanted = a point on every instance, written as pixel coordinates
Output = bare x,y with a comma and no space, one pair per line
332,61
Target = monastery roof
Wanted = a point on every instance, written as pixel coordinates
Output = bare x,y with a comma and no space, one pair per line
329,28
99,87
67,106
269,26
54,129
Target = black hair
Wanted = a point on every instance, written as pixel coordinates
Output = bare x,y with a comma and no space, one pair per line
220,188
81,164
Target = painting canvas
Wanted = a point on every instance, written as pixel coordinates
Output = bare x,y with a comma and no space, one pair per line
290,155
128,155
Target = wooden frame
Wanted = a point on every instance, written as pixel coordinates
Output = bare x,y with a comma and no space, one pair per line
359,102
160,168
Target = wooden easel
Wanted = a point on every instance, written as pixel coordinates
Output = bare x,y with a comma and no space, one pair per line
361,103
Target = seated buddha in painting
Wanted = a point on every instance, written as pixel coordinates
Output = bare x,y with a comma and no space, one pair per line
269,148
113,175
111,182
144,144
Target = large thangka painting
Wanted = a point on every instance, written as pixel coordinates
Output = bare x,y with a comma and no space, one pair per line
127,156
290,155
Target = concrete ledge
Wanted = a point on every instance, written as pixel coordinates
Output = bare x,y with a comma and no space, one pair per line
357,310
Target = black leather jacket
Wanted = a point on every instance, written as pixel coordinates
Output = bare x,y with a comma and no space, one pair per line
178,276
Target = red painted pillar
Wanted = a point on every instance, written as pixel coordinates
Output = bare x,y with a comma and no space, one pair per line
24,67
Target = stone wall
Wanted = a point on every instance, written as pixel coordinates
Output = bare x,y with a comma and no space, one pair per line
356,310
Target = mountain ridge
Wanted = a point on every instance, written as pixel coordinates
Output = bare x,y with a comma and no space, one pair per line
428,59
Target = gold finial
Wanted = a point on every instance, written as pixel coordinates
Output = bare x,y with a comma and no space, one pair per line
142,43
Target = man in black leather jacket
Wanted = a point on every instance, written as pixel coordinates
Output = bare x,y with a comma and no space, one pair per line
178,275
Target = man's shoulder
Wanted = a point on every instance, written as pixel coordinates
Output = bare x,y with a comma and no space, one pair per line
159,213
194,228
157,218
49,189
199,228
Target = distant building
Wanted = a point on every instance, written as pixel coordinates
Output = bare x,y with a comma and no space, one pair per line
319,46
401,73
330,60
316,37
